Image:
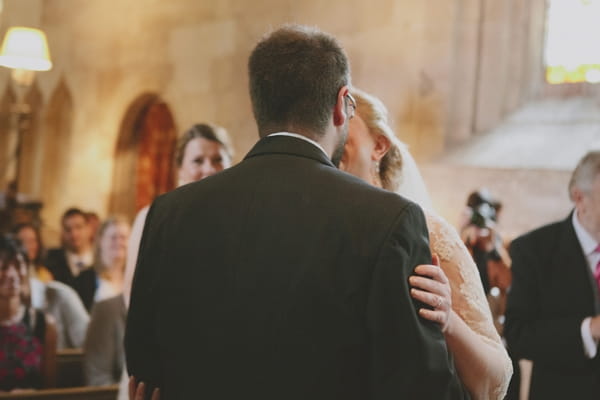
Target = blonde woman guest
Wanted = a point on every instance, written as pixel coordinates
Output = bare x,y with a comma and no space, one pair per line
455,294
105,279
202,151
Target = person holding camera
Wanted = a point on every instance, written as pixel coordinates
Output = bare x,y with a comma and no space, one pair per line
484,242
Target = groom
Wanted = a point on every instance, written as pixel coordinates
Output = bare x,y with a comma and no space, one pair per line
282,277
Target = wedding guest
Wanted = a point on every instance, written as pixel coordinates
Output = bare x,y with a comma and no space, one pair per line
202,151
76,253
552,311
105,279
27,336
31,239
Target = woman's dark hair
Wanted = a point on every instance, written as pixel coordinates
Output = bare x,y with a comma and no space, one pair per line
38,237
11,248
206,131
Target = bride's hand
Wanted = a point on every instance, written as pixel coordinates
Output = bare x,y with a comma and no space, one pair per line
431,286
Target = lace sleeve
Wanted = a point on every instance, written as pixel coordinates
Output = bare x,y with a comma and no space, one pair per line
468,298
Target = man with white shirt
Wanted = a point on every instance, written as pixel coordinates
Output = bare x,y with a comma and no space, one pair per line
283,277
553,306
76,254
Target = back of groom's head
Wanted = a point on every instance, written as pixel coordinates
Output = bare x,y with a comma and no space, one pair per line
295,74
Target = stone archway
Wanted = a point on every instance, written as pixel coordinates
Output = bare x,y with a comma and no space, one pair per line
145,145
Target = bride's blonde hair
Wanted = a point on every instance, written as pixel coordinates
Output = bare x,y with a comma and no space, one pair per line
375,115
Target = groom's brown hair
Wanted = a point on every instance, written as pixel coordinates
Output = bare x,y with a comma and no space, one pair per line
295,74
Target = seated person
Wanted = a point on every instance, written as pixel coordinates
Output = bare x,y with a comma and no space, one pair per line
105,279
31,239
63,304
55,298
27,336
103,352
76,254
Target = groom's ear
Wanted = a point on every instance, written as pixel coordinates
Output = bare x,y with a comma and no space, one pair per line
339,109
382,146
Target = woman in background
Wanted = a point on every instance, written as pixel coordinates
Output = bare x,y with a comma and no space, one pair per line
27,336
455,294
202,151
31,239
105,279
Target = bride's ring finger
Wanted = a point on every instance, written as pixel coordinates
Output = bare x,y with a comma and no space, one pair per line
439,302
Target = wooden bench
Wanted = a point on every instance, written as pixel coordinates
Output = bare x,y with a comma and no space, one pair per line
76,393
69,368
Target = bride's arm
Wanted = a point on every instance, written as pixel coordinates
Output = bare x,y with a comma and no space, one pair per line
476,360
479,355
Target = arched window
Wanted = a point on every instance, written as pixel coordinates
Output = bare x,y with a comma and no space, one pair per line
571,53
145,145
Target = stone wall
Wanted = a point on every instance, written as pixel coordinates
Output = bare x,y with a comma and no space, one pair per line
444,68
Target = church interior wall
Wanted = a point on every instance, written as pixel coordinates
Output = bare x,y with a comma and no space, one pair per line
445,69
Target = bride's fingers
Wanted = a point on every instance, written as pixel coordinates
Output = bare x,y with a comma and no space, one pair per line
435,259
439,317
435,301
432,271
429,285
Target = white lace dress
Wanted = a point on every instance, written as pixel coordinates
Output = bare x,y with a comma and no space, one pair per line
468,299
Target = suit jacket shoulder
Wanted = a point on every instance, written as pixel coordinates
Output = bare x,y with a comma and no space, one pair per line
544,237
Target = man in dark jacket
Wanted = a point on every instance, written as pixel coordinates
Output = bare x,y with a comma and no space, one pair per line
553,305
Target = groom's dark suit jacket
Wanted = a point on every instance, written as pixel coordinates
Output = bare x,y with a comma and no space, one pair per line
284,278
553,290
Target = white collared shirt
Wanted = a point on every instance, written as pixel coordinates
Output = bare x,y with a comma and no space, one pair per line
297,136
588,245
587,242
74,260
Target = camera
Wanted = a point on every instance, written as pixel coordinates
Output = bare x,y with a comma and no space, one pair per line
484,209
483,216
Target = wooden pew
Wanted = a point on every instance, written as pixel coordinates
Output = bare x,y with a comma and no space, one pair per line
69,368
76,393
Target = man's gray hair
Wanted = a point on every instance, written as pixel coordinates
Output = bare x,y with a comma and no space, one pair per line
585,172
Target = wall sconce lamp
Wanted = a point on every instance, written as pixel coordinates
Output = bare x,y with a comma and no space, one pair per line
25,51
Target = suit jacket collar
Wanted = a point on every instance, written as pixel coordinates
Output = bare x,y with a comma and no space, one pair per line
290,146
571,252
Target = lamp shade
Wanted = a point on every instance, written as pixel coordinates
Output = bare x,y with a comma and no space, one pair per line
25,48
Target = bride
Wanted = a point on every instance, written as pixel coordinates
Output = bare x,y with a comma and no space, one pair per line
374,154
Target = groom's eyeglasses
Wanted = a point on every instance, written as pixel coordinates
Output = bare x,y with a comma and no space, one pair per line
352,104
